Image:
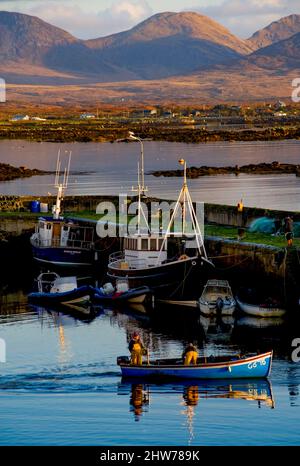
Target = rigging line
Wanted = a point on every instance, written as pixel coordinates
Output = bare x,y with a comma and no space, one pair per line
183,281
109,246
195,220
234,265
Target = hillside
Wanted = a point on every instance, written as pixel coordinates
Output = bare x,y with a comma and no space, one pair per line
174,57
281,56
164,45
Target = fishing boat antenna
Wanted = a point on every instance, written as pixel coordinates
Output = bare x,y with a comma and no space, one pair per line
141,189
184,203
61,186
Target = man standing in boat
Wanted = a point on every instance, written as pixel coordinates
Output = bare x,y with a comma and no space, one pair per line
190,355
136,348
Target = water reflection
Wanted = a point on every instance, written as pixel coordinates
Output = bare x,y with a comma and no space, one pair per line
65,314
12,302
190,393
139,399
260,322
190,400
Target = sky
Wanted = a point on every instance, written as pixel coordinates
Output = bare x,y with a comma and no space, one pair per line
88,19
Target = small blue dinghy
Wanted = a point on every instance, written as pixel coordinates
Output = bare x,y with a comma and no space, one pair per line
258,366
53,289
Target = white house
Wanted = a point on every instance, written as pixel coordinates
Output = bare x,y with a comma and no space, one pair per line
20,118
280,114
38,119
87,116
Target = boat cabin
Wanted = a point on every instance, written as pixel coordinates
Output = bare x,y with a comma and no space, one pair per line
215,289
63,233
51,282
141,251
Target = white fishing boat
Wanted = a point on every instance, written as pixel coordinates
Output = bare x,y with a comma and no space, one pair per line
217,297
267,309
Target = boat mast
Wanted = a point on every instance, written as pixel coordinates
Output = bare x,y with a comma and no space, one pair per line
183,203
61,186
141,189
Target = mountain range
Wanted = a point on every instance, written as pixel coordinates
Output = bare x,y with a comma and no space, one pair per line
166,48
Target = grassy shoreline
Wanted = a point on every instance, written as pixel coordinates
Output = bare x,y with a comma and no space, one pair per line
210,230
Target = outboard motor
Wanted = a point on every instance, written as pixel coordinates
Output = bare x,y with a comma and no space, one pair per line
123,360
220,305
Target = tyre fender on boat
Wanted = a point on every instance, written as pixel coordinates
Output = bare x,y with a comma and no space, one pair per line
183,257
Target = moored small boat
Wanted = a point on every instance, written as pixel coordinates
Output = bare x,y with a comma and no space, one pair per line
217,297
258,366
53,289
121,294
261,310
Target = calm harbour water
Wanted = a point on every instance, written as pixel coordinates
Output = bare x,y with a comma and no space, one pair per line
61,384
112,169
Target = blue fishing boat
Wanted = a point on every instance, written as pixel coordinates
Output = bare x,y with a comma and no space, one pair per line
61,241
254,366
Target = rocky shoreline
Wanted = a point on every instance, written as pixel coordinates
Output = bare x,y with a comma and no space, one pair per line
8,172
108,131
254,169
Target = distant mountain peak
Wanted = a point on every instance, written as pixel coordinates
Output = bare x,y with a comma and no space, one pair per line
275,32
25,37
187,24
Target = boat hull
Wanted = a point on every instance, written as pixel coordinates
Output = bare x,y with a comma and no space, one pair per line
210,310
134,296
175,280
253,367
67,257
79,296
260,311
